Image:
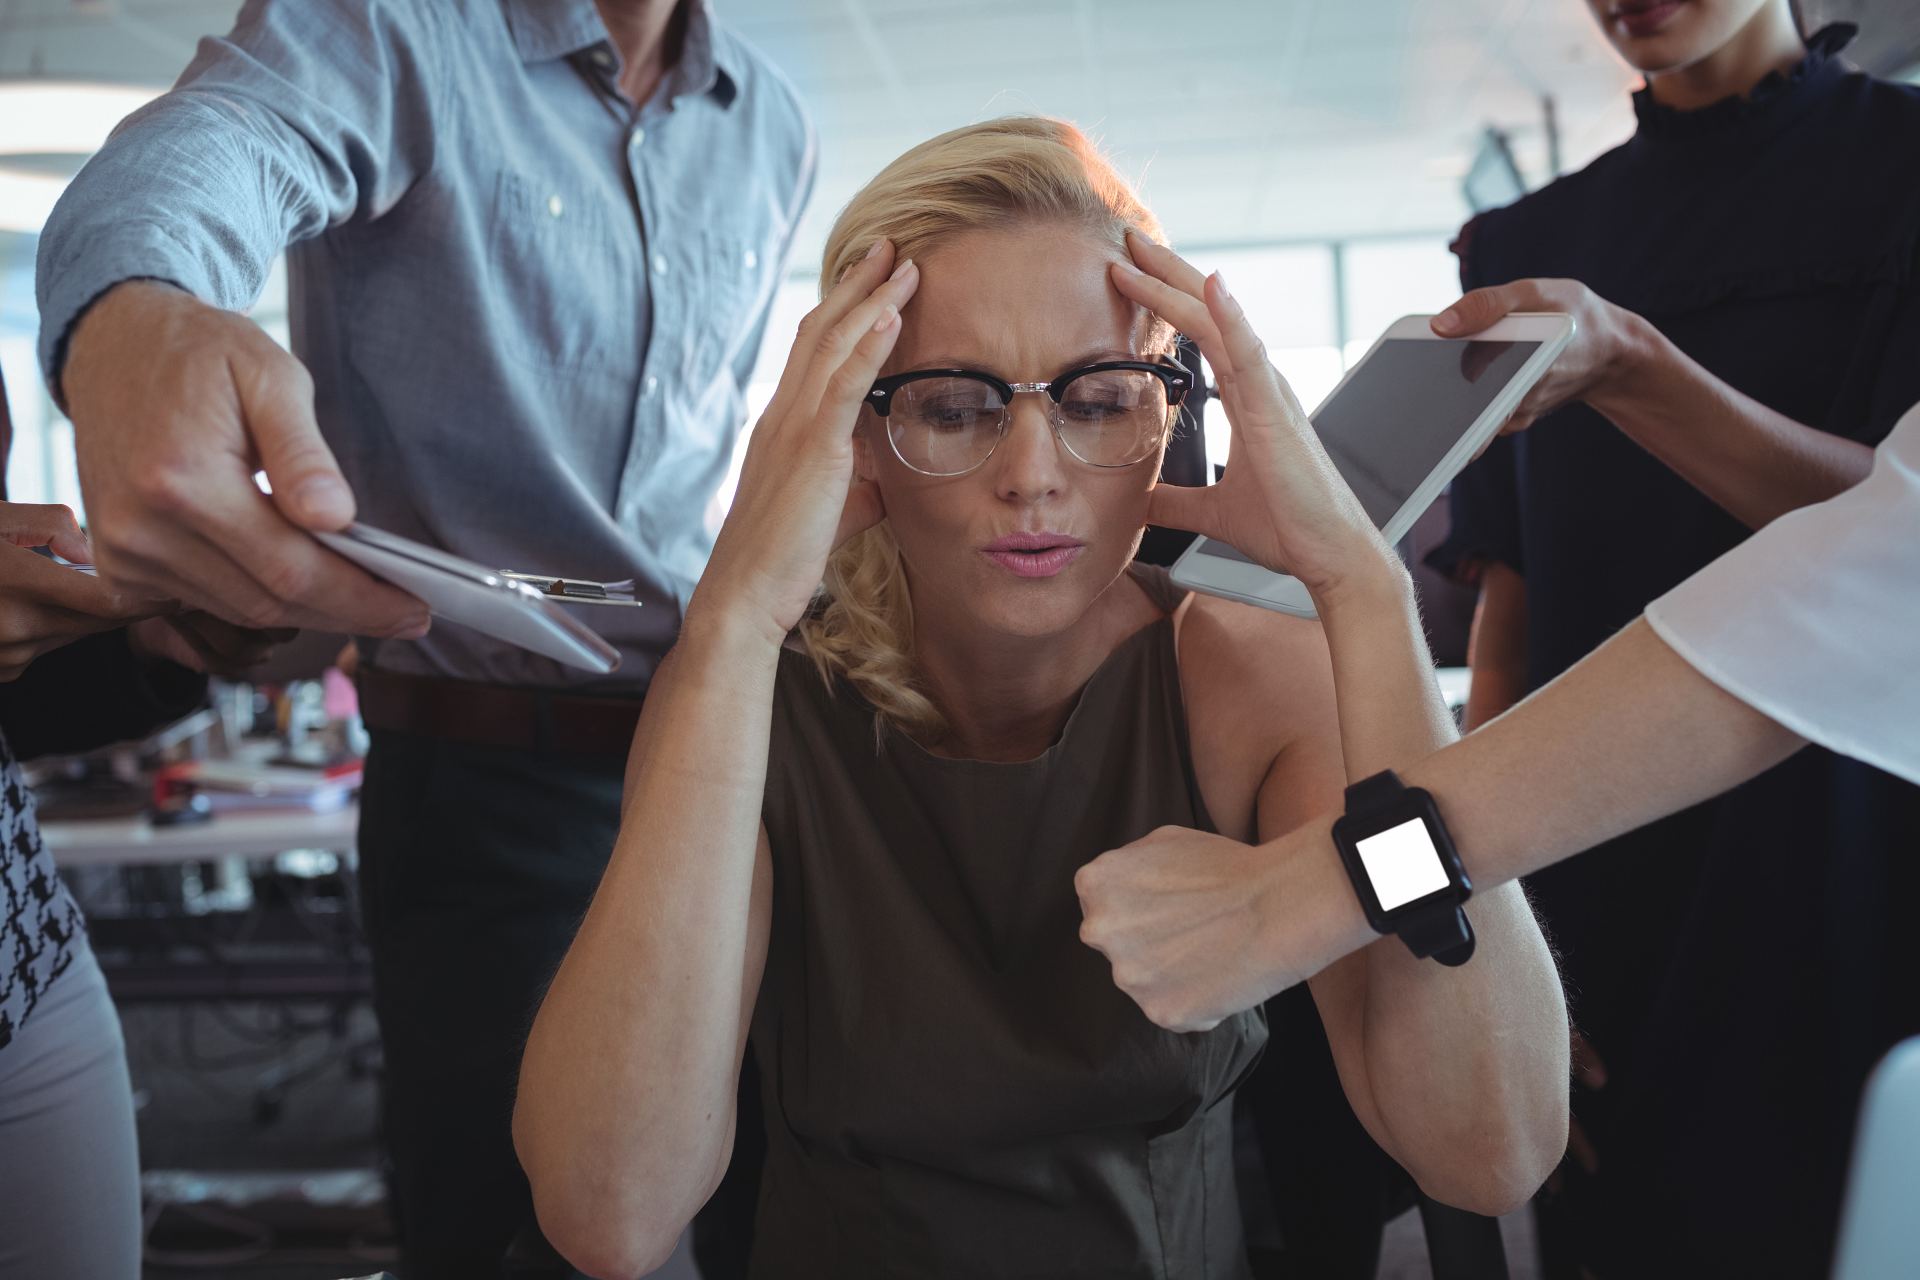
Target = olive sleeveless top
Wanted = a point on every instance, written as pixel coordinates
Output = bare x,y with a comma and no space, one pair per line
953,1085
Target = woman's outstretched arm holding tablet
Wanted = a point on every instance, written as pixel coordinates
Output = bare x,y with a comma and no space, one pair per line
1753,461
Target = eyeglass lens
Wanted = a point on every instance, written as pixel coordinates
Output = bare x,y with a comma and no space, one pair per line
1108,417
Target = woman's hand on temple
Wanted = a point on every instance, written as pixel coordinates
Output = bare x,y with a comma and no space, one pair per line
798,497
1607,340
1281,502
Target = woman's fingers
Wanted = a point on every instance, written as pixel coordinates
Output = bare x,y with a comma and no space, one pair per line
847,387
1175,290
1164,264
852,351
1251,370
1480,308
858,283
1189,507
1182,310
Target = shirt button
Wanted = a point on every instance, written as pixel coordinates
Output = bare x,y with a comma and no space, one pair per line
556,206
635,138
660,264
750,260
602,59
653,384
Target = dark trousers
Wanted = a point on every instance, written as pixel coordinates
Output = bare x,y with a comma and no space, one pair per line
476,867
1332,1189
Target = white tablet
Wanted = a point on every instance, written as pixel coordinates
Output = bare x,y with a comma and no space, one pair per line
501,605
1404,421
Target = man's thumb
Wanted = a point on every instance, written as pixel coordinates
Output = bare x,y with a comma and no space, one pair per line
306,481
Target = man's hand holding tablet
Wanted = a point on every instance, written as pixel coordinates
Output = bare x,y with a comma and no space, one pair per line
175,405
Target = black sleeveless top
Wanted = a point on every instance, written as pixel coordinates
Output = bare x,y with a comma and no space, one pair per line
953,1084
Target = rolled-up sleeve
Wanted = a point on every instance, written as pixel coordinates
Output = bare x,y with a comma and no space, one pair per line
1813,620
308,114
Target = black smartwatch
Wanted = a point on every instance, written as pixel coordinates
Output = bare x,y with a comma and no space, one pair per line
1404,867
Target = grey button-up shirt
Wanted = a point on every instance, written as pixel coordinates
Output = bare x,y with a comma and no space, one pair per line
530,307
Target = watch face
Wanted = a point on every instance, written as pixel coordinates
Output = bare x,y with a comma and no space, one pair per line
1398,866
1402,864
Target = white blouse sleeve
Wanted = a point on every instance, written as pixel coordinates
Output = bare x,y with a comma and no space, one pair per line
1815,620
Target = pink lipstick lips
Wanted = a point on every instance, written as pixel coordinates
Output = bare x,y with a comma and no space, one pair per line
1033,555
1644,17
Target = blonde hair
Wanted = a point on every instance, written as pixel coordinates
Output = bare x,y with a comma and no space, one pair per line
1003,173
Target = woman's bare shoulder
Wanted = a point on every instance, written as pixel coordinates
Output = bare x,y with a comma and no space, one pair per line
1228,650
1254,682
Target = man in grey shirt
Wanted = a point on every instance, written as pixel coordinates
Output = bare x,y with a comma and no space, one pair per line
532,245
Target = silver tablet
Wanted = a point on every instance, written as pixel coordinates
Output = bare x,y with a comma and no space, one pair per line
1406,419
505,606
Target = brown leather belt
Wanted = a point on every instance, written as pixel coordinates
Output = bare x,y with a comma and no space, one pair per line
494,715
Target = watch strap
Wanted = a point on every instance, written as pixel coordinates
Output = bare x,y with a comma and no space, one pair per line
1444,933
1376,789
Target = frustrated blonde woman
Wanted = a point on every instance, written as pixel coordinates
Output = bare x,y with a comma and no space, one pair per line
854,815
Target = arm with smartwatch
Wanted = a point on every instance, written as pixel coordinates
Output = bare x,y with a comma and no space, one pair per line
1629,734
1802,632
1458,1070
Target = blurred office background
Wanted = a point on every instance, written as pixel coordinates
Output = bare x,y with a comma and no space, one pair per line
1323,153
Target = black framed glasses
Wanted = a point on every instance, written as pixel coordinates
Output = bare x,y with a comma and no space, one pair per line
946,422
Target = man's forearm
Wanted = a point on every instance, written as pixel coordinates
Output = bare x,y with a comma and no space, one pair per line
308,111
1754,462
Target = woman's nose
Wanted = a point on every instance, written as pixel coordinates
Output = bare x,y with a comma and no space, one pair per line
1031,462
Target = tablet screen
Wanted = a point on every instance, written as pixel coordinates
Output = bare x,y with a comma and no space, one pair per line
1396,418
1388,428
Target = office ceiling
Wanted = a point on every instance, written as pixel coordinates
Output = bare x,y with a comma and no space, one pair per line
1244,120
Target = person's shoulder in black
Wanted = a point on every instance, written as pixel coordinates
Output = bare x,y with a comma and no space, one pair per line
1807,180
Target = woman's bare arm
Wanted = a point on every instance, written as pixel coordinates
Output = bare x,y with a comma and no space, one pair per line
625,1113
1631,733
1459,1073
624,1117
1497,649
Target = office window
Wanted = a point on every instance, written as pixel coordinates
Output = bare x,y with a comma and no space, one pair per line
1387,279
